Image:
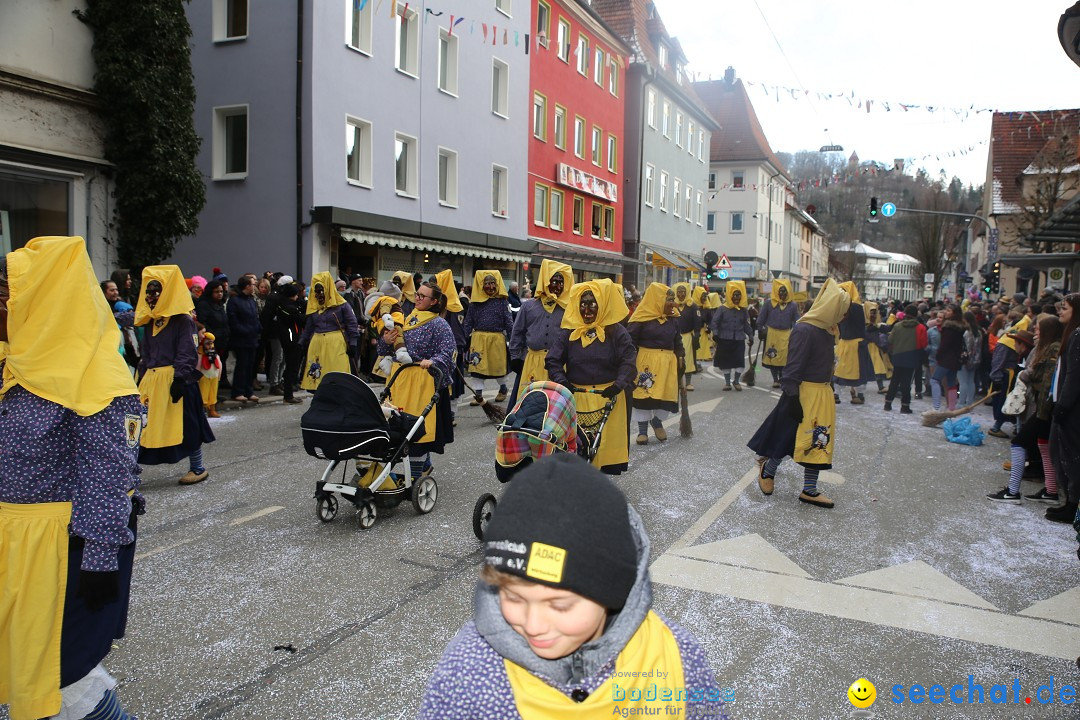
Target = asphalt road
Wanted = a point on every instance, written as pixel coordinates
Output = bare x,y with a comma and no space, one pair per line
246,606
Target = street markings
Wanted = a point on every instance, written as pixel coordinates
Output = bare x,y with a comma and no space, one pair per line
255,516
703,523
151,553
751,551
238,521
1061,608
917,579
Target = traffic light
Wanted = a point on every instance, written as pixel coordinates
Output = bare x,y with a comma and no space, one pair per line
711,271
873,207
995,276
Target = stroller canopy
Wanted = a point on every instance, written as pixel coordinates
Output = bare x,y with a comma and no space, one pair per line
345,419
543,422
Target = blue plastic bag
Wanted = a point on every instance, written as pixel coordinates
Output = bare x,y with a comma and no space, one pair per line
963,431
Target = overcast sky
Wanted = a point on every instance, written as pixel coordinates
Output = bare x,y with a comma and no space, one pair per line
949,54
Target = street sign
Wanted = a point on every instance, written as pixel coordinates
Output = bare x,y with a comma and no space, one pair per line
929,288
723,274
928,278
820,279
888,209
723,263
1055,276
831,148
992,246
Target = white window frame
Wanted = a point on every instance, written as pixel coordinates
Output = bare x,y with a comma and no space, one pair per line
710,222
701,145
562,36
450,42
613,78
596,228
504,6
650,180
597,155
583,55
364,27
543,27
738,180
364,169
651,108
499,190
412,185
555,216
742,222
598,66
666,122
221,20
579,136
612,153
700,208
500,87
712,181
678,128
539,116
222,142
411,31
676,197
579,215
558,134
608,232
448,196
541,197
690,136
688,207
663,190
662,54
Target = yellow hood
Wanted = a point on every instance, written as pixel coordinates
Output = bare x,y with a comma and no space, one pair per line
774,295
829,308
408,287
651,306
63,347
333,299
701,296
868,308
449,289
689,298
478,294
175,297
851,290
548,269
611,309
714,301
733,285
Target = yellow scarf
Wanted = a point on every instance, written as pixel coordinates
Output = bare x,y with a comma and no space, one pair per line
635,684
65,352
611,309
333,298
733,285
449,289
175,298
478,294
408,286
689,295
652,303
417,318
548,269
830,306
775,294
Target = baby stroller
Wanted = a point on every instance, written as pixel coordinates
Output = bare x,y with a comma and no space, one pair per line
347,421
544,421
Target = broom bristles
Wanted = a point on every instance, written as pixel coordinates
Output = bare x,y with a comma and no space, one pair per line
748,376
685,428
933,418
494,412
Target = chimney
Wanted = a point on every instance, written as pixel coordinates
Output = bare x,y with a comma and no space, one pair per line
729,75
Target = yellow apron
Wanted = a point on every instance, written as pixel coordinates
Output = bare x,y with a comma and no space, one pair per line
487,354
776,347
880,361
33,579
847,359
412,392
532,370
615,441
328,350
209,387
705,345
657,375
634,688
164,418
688,352
817,431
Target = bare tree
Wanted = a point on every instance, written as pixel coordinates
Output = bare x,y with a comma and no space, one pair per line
1045,185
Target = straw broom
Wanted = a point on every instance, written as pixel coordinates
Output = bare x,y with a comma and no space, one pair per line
685,428
495,413
933,418
748,376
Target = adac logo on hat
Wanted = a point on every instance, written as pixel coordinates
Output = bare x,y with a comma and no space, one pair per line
546,562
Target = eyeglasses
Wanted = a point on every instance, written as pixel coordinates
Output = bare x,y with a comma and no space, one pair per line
418,296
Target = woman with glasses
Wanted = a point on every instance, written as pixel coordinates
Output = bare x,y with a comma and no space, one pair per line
330,333
168,375
429,342
488,323
594,352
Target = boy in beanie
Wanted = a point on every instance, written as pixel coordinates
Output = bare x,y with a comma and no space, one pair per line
562,623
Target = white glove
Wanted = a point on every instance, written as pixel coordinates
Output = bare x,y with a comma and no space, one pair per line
403,356
385,364
387,321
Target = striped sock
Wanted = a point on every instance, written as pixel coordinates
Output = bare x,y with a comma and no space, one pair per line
1049,473
108,709
643,428
1019,455
809,482
656,422
727,377
417,465
195,461
771,466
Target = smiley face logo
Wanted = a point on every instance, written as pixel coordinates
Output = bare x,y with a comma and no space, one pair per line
862,693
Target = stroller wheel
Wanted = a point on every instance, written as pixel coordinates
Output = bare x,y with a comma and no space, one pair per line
424,494
481,514
326,507
365,514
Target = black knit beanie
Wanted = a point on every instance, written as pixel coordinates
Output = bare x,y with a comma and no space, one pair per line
563,524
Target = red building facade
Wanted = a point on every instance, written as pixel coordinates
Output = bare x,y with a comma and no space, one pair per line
575,161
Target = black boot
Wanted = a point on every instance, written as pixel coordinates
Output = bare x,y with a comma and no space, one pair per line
905,409
888,406
1062,514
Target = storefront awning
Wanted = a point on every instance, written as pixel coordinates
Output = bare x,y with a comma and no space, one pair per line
611,261
662,257
406,242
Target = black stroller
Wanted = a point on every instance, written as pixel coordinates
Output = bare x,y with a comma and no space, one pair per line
347,421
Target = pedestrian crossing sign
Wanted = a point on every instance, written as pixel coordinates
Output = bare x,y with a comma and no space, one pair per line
723,263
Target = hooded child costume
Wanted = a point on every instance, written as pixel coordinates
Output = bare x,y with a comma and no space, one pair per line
778,316
659,354
731,331
329,332
488,324
537,323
